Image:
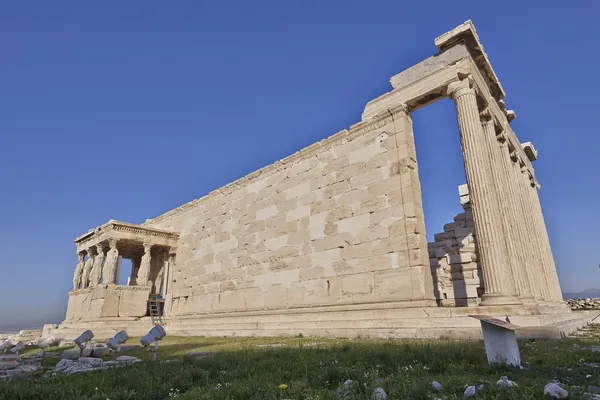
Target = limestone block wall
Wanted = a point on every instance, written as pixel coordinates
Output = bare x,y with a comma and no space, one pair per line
338,223
453,259
107,301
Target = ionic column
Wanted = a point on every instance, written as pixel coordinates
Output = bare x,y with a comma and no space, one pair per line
502,188
497,276
144,272
110,265
554,291
506,187
523,226
535,251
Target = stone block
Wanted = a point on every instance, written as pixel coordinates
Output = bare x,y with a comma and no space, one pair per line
133,301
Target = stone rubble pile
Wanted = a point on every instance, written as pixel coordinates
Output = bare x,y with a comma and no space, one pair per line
584,304
87,364
12,366
29,336
452,257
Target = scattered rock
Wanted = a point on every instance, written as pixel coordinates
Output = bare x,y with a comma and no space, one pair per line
505,382
436,386
73,354
129,347
470,391
100,351
584,304
66,342
379,394
8,364
127,359
90,361
594,389
87,364
63,364
554,390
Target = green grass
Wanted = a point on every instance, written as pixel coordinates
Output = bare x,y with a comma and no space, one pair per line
317,368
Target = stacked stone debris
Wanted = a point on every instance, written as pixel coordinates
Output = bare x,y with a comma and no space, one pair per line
453,259
584,304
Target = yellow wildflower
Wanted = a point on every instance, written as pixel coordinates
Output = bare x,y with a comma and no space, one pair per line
283,386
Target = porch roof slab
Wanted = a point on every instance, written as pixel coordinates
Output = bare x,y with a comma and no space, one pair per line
124,231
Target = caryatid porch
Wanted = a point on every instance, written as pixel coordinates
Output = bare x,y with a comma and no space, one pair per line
96,292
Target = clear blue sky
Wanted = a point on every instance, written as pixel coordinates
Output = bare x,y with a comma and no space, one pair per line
125,110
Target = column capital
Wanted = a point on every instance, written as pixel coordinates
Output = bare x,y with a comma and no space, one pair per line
99,248
502,137
147,247
460,88
486,116
112,243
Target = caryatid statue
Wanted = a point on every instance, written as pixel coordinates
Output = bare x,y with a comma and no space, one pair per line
110,265
87,268
144,271
78,271
96,273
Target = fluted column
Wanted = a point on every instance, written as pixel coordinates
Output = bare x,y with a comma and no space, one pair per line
497,276
514,220
524,227
535,252
554,292
499,177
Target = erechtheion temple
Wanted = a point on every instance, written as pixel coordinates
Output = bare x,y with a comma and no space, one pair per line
330,241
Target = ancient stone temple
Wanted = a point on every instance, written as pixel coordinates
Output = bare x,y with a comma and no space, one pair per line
330,241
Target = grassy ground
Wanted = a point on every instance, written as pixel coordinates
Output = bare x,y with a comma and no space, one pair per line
317,369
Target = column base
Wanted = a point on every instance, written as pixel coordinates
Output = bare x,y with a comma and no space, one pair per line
498,299
528,300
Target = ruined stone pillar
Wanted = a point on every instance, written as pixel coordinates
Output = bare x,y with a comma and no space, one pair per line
544,240
514,221
110,265
497,276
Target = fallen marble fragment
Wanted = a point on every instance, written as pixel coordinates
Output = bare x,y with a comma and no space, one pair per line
505,382
379,394
470,391
552,389
436,386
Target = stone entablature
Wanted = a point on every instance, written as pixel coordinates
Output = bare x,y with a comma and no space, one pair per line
125,231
